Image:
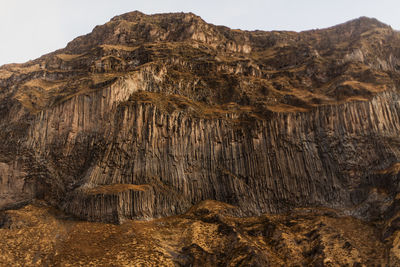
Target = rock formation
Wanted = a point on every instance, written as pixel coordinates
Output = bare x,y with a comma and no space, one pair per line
149,115
206,235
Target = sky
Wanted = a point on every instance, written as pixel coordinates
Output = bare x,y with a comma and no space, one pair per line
31,28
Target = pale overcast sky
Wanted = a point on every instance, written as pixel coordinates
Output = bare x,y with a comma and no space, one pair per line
30,28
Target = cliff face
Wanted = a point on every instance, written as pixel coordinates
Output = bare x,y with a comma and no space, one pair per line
148,115
329,156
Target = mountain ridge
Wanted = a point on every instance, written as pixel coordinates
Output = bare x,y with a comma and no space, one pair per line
148,116
252,59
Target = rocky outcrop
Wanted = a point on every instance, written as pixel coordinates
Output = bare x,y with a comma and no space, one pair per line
149,115
206,235
328,156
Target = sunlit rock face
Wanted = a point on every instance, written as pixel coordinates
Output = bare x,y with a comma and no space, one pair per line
149,115
206,235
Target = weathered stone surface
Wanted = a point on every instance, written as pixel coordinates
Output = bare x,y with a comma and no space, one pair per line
206,235
149,115
328,156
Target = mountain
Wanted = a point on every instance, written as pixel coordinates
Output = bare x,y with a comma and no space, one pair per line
266,148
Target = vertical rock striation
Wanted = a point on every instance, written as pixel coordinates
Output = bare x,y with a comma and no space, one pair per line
149,115
328,156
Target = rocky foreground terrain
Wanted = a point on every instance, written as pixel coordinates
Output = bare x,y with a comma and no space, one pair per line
165,141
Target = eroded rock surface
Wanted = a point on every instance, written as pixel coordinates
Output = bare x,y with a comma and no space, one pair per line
207,235
149,115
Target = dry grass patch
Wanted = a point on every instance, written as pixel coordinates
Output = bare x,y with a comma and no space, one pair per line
4,74
117,188
286,108
393,169
44,84
375,88
68,57
119,47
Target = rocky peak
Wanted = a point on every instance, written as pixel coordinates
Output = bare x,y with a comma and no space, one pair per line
149,115
136,16
364,24
286,70
136,28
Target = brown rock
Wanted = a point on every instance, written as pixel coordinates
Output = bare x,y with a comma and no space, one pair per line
148,115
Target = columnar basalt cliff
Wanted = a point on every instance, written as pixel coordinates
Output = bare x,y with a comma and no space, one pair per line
149,115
